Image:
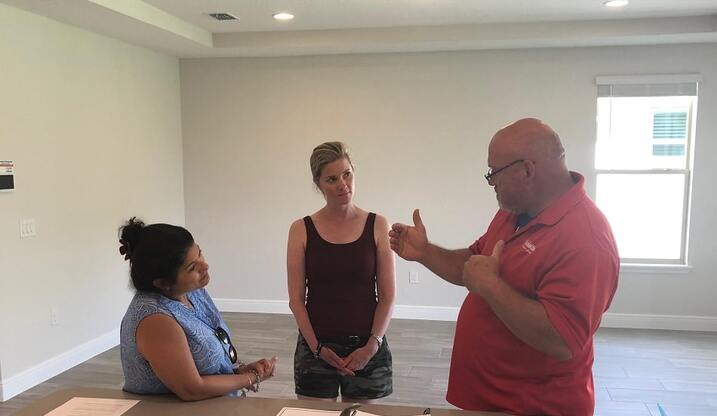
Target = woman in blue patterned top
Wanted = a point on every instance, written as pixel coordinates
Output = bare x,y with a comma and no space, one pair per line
173,338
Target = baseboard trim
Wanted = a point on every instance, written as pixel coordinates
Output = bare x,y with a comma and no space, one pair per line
669,322
450,313
252,305
428,313
432,313
33,376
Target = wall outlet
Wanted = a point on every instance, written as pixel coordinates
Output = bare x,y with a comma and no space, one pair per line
28,228
413,278
54,320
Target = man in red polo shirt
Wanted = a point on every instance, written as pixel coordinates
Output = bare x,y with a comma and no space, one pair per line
539,281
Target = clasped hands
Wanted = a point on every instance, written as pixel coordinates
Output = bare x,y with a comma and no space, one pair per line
264,369
353,362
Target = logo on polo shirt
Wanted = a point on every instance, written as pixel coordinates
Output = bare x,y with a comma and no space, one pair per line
528,246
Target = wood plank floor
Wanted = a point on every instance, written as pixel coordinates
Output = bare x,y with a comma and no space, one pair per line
634,369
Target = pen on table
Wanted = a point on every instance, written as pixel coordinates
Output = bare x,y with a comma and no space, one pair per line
350,411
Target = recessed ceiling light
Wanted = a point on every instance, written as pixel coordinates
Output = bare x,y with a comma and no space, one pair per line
283,16
616,3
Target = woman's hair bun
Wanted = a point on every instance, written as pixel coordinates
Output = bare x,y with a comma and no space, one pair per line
129,236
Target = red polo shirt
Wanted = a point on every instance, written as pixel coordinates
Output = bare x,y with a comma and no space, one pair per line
566,259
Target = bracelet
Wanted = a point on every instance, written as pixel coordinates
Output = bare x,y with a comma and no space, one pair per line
317,353
379,341
257,379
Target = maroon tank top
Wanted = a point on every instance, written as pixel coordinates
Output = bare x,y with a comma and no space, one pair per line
341,282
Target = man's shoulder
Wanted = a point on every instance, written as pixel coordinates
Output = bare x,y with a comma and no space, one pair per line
586,225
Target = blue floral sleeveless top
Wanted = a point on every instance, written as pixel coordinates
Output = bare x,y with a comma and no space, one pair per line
211,356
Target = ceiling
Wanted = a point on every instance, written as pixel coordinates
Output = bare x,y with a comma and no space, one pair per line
183,28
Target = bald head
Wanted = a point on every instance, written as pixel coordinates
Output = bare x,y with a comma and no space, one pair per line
538,172
528,138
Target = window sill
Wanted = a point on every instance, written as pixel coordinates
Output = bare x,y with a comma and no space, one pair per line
637,268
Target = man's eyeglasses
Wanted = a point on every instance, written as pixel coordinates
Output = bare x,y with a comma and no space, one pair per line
224,338
492,172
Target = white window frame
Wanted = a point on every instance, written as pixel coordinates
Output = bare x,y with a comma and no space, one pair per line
605,86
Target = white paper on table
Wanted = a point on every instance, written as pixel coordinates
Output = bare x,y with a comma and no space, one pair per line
89,406
295,411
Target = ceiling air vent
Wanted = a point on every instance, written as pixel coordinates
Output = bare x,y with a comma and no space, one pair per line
223,16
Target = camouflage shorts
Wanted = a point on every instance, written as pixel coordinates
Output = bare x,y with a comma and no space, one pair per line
316,378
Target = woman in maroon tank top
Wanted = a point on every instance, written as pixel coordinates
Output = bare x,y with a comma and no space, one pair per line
341,280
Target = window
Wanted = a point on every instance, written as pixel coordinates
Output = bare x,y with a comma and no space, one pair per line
669,132
643,160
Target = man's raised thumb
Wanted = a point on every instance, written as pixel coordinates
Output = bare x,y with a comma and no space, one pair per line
417,221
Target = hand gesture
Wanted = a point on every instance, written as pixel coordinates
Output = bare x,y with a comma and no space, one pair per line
328,355
481,271
358,359
263,369
266,368
409,242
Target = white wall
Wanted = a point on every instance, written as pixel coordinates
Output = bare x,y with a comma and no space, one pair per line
419,125
94,128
